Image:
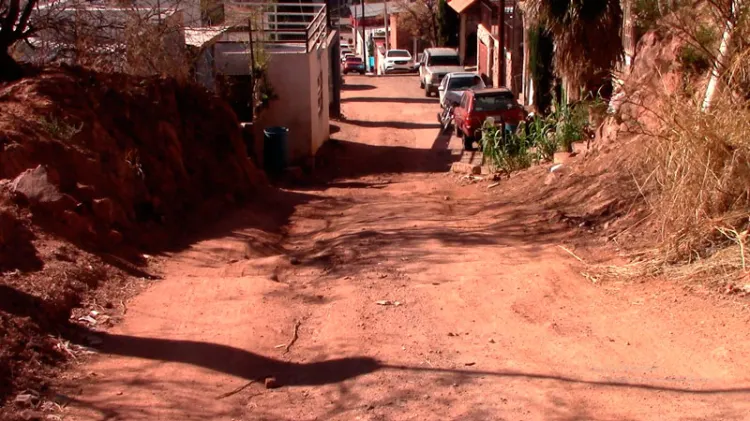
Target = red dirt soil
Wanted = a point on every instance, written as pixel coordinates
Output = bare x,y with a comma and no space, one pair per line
399,292
94,169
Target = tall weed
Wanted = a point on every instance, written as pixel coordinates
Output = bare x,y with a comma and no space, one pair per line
506,152
699,168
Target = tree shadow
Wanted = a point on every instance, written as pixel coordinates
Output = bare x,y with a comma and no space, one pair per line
254,367
220,358
434,235
572,380
237,362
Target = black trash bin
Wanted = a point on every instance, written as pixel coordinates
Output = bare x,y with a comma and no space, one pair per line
275,149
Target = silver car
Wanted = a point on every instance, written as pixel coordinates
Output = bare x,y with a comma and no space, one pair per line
454,84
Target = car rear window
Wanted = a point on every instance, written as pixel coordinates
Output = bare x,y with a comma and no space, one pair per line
494,102
444,61
398,53
464,82
354,60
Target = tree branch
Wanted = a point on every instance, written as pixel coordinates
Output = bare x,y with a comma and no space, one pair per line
24,21
10,19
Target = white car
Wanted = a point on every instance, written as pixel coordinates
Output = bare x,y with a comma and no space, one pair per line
397,61
454,84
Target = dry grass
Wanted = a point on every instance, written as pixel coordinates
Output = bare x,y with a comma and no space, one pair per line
696,179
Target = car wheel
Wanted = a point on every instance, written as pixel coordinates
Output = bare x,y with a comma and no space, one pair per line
362,73
468,142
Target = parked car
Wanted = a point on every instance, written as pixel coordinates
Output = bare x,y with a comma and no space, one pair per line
397,61
436,63
418,62
454,84
477,105
346,56
354,65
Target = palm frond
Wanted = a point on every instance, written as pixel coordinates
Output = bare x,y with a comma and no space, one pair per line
586,33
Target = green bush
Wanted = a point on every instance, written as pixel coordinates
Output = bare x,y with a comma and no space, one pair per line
507,152
59,129
571,124
694,57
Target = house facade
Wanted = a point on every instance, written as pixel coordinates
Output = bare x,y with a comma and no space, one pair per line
498,56
302,69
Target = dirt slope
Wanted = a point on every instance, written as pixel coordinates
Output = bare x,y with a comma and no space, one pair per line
407,294
137,155
95,170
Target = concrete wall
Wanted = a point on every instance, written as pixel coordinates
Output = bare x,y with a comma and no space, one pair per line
301,84
288,74
319,98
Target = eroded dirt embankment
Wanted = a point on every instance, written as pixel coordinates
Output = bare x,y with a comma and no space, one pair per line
95,170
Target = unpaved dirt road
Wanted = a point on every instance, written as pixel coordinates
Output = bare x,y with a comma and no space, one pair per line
494,320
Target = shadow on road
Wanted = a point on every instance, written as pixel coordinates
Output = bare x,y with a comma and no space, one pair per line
394,124
251,366
254,367
570,379
357,87
393,100
346,159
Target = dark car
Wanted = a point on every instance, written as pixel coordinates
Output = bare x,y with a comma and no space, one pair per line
478,105
354,65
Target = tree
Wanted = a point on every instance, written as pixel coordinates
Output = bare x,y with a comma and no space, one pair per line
587,37
14,27
143,37
420,18
721,58
448,25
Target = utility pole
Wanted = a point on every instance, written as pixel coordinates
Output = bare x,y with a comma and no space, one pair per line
364,39
501,25
385,21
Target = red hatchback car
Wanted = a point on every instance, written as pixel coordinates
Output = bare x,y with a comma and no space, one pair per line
354,65
477,105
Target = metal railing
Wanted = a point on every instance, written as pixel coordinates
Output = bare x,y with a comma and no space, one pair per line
317,30
286,23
